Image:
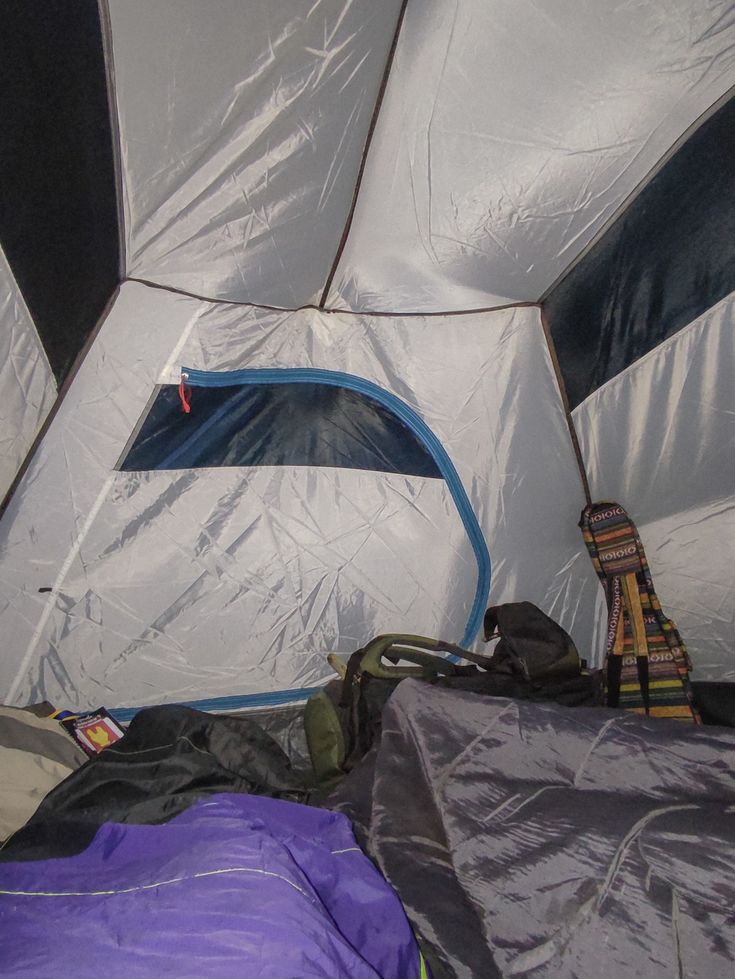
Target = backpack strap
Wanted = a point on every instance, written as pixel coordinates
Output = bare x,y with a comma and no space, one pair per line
350,701
615,643
632,600
368,664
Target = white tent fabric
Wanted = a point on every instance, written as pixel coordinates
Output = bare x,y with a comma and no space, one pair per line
511,132
509,135
241,131
189,584
27,386
661,437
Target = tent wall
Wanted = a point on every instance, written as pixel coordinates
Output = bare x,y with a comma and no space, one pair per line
660,438
27,386
643,329
242,129
203,583
509,137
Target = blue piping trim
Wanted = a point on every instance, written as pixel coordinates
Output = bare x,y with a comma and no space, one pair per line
125,714
310,375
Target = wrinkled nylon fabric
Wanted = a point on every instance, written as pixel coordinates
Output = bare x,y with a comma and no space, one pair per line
290,563
508,136
660,438
466,376
510,133
27,385
518,834
242,127
236,885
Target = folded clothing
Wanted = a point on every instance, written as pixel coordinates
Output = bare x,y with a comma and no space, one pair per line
35,755
170,757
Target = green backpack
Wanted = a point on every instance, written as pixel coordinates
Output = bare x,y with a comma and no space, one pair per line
343,720
535,659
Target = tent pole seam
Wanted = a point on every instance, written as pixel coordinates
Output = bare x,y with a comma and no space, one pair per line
639,188
565,402
393,313
36,335
365,152
108,54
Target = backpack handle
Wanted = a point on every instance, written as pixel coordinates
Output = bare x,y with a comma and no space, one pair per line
413,649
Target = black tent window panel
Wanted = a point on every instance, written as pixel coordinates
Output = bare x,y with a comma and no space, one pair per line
58,207
278,424
669,258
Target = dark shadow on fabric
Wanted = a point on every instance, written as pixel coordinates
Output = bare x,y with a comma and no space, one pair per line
276,425
58,209
665,261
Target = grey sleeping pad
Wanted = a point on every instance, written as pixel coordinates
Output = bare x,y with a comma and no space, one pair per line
526,839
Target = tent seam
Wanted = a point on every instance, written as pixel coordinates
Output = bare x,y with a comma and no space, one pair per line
638,189
365,153
392,313
565,403
62,392
115,138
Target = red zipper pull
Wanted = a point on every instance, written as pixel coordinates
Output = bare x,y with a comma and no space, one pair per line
185,394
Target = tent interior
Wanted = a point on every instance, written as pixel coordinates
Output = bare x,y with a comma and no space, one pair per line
324,319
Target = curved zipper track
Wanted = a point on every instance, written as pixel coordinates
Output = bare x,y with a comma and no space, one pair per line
311,375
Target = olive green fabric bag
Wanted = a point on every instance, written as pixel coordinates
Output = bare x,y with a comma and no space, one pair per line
343,720
535,659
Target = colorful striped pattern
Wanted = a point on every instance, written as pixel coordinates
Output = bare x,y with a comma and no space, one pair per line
647,664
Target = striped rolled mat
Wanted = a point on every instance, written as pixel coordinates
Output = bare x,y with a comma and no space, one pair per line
646,664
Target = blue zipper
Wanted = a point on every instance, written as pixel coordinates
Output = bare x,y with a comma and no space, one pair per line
273,699
311,375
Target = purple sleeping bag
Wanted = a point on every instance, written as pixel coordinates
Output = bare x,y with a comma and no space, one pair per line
235,886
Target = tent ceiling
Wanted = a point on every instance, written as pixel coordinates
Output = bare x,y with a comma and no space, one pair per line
510,133
242,127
